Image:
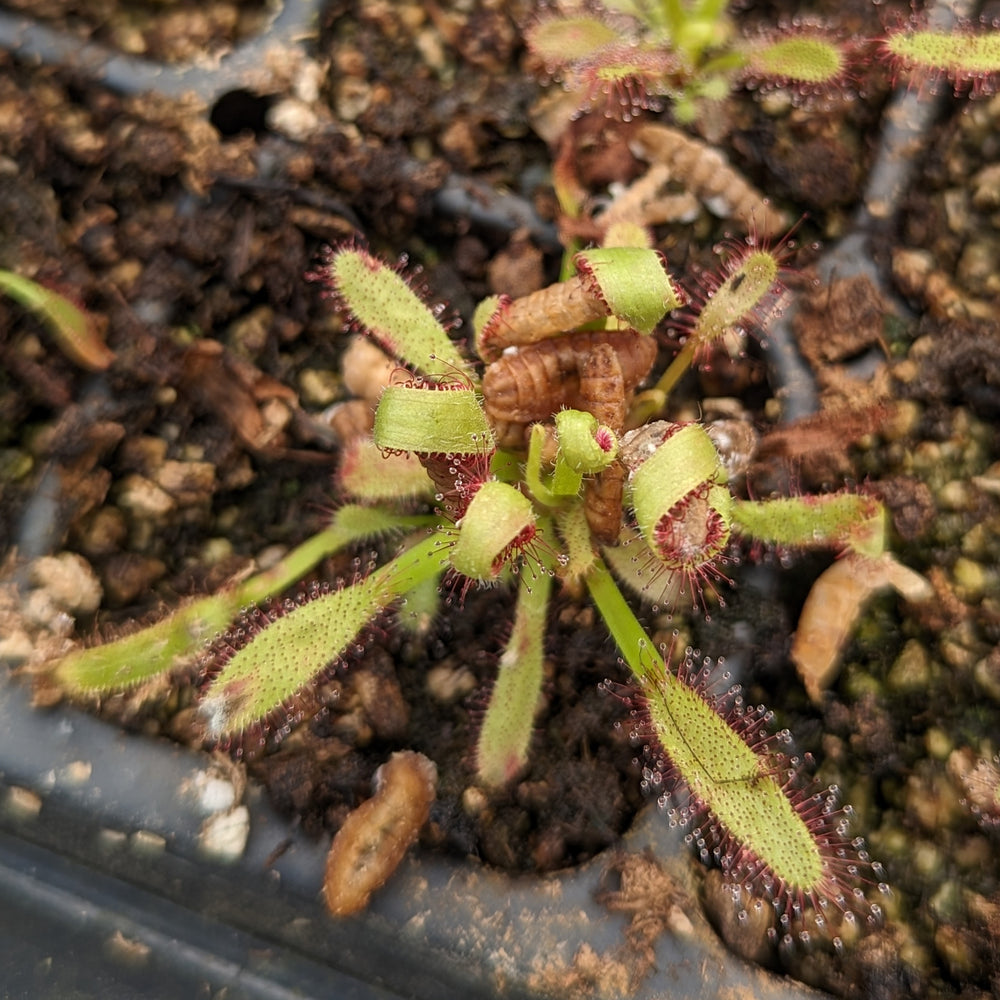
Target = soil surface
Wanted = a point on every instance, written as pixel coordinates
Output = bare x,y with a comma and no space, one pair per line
209,445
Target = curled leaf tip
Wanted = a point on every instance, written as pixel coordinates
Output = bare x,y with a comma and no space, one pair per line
76,331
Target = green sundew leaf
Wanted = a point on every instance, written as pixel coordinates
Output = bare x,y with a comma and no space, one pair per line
679,466
496,516
630,73
617,71
482,314
806,59
580,444
508,725
958,54
685,108
838,520
357,523
75,331
180,637
561,41
578,543
699,27
712,88
282,658
380,301
735,782
634,283
293,649
745,290
368,474
426,420
542,488
173,642
508,467
421,605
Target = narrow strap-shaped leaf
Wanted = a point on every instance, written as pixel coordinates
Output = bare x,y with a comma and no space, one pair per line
177,639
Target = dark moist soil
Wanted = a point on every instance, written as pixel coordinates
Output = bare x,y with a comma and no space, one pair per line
208,444
579,794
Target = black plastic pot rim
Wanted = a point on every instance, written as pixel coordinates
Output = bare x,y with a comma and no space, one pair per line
103,833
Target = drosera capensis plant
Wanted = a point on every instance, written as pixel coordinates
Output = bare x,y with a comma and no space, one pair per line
530,501
633,55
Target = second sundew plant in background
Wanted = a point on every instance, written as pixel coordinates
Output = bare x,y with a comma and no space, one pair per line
541,471
630,54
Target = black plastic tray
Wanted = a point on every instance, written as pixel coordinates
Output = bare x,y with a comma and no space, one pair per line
107,892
